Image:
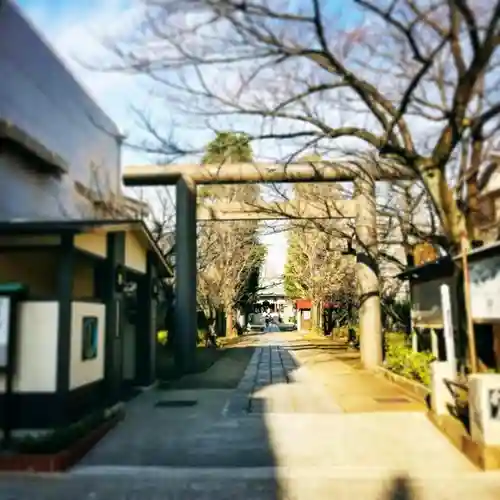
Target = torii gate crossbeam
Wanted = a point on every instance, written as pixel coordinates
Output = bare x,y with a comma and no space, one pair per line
186,178
245,173
334,209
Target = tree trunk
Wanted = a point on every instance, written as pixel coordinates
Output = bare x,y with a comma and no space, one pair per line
316,311
452,218
230,331
321,317
220,322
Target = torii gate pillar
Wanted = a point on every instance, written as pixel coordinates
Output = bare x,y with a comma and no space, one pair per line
185,178
185,276
367,272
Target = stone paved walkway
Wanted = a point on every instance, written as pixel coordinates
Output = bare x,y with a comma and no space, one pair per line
274,382
279,435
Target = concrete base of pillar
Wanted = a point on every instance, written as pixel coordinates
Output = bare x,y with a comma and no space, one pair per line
441,395
370,333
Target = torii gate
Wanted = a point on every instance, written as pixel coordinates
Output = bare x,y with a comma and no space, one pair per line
187,177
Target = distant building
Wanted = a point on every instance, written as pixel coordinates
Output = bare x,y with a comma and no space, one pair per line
272,298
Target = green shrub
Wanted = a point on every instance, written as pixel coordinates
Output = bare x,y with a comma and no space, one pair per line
396,338
402,360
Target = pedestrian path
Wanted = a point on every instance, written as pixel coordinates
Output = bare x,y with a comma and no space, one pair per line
279,435
279,416
274,382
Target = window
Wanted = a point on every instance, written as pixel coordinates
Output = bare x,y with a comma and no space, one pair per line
89,337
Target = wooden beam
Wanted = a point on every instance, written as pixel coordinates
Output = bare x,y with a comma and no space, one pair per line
333,209
240,173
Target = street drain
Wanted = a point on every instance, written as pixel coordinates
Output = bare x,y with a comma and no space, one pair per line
392,400
175,404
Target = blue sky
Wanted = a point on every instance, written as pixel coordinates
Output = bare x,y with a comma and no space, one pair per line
74,28
55,11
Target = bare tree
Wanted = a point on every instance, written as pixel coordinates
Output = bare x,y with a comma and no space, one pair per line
285,70
317,269
97,198
227,252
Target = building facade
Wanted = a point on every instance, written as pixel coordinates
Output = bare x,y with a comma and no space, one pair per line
85,325
90,271
60,153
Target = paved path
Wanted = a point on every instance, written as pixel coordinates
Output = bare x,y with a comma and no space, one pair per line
279,435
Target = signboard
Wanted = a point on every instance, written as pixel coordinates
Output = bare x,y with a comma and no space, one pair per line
427,309
4,331
307,315
485,288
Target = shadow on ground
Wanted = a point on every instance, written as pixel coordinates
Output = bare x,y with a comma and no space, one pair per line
225,373
212,441
166,370
400,489
181,423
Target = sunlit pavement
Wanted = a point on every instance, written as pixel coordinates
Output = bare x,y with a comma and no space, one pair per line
278,435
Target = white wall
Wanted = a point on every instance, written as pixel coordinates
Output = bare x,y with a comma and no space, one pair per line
288,312
84,372
299,319
37,335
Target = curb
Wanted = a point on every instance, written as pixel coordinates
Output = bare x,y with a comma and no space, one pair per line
418,390
484,457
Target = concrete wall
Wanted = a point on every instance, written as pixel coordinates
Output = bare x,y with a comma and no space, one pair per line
135,253
36,348
83,372
41,97
36,269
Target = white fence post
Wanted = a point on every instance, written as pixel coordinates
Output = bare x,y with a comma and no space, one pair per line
449,336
